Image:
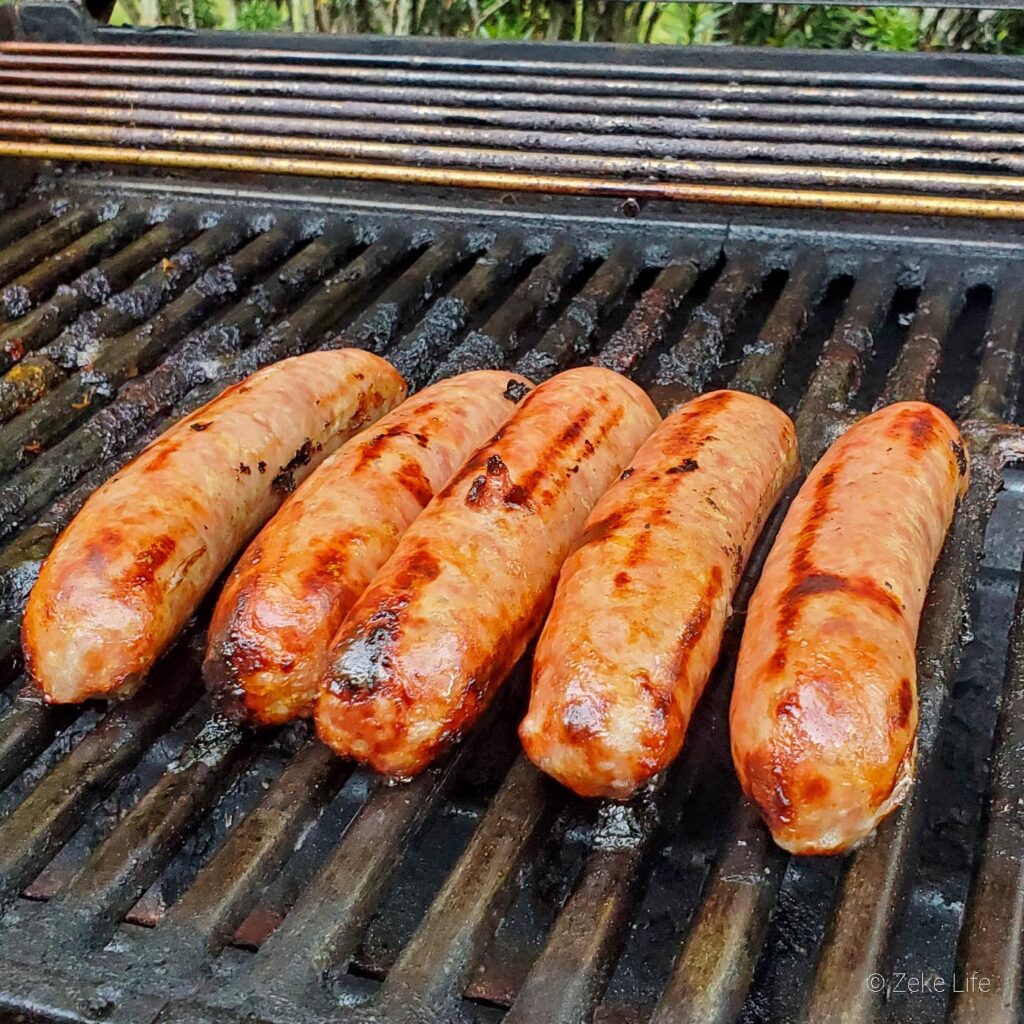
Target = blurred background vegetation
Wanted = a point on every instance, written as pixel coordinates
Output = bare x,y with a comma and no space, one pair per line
893,28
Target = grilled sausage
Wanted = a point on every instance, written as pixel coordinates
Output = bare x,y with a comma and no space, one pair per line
289,593
641,605
824,709
425,648
132,566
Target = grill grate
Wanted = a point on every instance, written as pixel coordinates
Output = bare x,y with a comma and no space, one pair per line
791,133
156,864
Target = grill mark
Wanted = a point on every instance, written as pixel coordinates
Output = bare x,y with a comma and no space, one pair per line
142,571
697,624
585,719
328,569
162,457
917,427
768,785
904,701
801,565
362,666
411,476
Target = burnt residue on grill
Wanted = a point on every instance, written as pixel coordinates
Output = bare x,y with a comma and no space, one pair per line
160,863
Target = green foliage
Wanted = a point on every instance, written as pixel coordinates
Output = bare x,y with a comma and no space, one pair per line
258,15
625,21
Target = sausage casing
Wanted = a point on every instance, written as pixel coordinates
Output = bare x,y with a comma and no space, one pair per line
290,591
642,603
824,708
131,567
425,648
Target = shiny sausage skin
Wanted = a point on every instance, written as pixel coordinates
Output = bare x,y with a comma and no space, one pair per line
290,591
642,604
426,647
132,566
824,708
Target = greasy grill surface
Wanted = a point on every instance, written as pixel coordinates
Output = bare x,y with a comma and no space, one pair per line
157,863
789,134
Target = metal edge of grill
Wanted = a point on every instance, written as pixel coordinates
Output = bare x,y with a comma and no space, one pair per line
155,865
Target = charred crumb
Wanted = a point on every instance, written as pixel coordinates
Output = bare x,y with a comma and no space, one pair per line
476,490
711,502
285,480
626,474
686,466
961,456
201,426
261,466
516,391
244,469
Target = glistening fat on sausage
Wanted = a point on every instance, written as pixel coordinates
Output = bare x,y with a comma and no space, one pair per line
642,604
824,707
424,649
290,591
132,566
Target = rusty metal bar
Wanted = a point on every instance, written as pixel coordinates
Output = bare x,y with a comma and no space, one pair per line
645,327
42,823
25,291
376,328
421,157
91,288
207,915
164,91
685,368
38,373
26,252
761,367
571,336
940,302
697,140
557,184
182,74
91,906
992,935
486,64
773,123
436,964
17,224
26,728
851,339
434,336
992,397
711,977
497,341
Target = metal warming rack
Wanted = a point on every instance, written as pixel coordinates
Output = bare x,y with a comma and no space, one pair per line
157,864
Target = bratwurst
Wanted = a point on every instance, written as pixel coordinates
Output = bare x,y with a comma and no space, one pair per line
824,707
642,604
290,591
425,648
132,566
